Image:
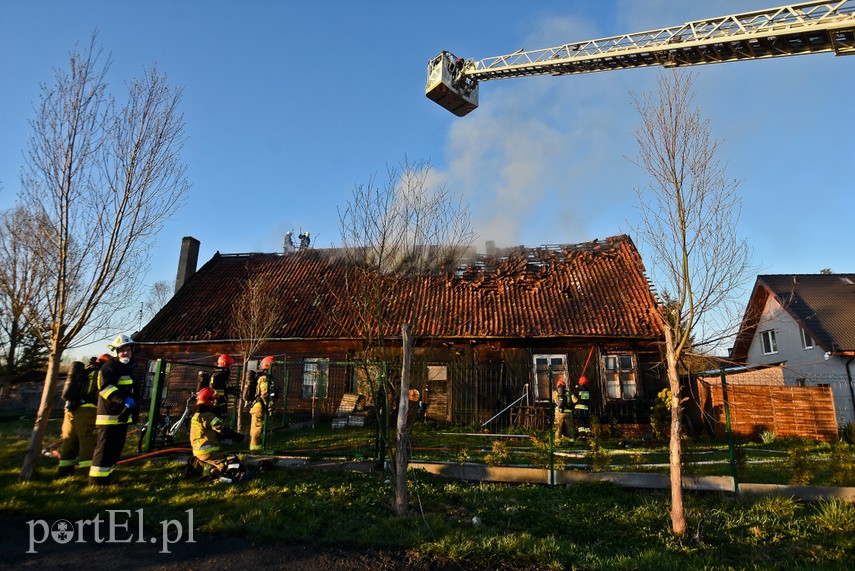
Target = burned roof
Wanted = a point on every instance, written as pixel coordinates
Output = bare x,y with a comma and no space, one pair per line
592,289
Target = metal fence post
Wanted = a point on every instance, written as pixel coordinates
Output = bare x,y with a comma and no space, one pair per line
730,445
154,407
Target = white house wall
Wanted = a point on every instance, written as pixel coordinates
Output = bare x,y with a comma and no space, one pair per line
807,365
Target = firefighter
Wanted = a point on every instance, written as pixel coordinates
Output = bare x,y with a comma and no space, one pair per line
78,426
117,393
581,412
207,430
220,383
262,404
562,410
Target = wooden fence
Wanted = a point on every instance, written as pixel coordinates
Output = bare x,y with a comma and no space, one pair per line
787,411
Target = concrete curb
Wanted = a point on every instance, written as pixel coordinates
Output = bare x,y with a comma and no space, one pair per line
481,473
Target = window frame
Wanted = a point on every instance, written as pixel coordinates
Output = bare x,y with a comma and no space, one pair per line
535,372
316,371
620,382
807,340
768,339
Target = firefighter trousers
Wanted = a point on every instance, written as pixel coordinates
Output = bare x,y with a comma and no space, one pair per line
78,439
256,429
108,450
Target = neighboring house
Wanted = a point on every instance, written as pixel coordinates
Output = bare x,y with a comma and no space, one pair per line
485,337
806,322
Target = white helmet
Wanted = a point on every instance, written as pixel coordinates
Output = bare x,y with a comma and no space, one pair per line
119,342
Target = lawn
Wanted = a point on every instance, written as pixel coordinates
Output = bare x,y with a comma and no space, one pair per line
586,526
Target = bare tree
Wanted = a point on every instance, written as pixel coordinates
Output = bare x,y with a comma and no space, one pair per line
160,293
98,182
255,316
396,233
689,216
19,281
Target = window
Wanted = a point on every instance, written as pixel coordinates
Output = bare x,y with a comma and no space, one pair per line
619,375
801,382
807,342
315,375
543,364
770,344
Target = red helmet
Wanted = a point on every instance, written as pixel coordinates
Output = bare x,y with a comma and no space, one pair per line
266,362
583,380
225,361
104,358
206,396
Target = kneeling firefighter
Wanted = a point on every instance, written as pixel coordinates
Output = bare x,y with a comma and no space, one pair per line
206,431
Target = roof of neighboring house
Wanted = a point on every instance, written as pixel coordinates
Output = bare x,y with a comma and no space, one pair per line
596,288
822,304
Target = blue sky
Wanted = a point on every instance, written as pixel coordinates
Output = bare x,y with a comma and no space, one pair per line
289,105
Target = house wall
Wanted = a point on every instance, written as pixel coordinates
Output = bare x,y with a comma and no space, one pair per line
481,378
807,367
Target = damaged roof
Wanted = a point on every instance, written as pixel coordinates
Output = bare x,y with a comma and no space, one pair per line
594,289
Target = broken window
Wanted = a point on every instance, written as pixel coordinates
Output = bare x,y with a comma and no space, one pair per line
620,376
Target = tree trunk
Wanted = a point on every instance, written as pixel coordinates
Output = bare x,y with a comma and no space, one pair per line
403,444
678,518
40,426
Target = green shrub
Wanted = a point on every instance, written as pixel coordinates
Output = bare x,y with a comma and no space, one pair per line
499,455
801,465
660,415
768,437
843,465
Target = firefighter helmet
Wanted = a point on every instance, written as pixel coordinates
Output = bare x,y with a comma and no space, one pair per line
104,358
266,362
119,342
206,396
583,380
225,361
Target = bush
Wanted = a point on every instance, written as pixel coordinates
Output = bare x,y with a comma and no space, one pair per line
660,415
801,466
843,465
499,455
768,437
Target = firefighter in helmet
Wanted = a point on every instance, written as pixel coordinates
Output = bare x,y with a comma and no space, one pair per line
207,430
262,404
220,382
117,405
581,411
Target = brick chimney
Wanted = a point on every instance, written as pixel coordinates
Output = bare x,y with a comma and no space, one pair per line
187,261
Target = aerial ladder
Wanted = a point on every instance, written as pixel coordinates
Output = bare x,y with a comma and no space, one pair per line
804,28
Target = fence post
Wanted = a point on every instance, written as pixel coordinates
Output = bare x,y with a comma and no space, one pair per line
286,378
154,406
551,432
730,446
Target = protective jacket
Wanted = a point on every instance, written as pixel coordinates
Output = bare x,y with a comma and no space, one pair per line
115,384
206,429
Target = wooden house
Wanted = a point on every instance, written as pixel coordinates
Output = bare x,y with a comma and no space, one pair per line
491,338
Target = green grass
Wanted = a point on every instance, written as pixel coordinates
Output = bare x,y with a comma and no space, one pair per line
588,526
